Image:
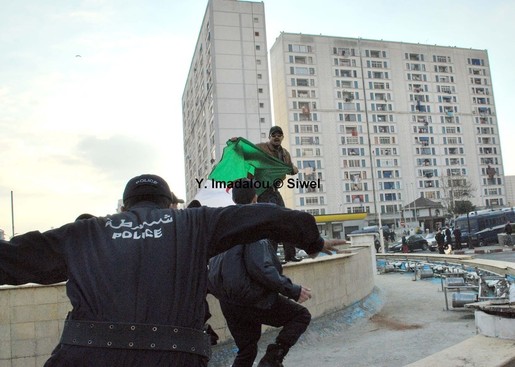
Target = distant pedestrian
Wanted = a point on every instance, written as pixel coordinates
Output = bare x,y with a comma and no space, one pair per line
405,248
377,244
457,237
507,228
448,236
440,241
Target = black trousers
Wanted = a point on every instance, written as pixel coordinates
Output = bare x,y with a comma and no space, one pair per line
245,326
274,196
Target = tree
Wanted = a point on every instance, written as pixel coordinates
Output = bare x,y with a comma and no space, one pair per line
463,207
457,188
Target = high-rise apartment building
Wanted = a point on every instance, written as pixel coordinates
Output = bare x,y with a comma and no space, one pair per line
384,123
510,190
227,91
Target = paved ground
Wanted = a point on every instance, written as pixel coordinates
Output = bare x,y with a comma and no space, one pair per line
401,322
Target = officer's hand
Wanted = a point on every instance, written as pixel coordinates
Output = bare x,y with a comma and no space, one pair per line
305,294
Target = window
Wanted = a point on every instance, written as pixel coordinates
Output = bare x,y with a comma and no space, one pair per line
309,140
381,118
302,71
345,73
386,140
414,57
443,69
299,48
439,58
258,47
378,75
444,79
378,85
445,89
256,34
303,82
416,67
343,51
376,64
260,76
307,152
476,62
306,128
375,53
344,62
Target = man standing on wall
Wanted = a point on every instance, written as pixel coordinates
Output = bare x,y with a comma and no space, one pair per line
272,195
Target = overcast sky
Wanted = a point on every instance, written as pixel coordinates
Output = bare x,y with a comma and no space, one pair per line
90,90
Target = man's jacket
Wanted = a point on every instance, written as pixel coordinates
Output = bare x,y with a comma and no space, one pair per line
250,275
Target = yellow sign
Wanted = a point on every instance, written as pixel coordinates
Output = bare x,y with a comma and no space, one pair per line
339,217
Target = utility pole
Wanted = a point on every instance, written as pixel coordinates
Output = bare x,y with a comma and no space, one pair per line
372,173
12,212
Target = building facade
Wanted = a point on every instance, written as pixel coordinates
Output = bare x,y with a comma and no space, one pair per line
227,92
510,190
379,124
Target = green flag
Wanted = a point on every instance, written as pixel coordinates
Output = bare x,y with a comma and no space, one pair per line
242,159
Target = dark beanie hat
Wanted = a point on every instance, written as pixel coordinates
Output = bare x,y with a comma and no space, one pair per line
147,185
243,191
275,129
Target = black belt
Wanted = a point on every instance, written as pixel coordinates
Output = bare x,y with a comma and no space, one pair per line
136,336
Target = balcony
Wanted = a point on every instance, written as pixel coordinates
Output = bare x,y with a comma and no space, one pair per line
381,107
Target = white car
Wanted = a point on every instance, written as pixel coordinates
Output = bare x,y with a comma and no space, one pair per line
431,242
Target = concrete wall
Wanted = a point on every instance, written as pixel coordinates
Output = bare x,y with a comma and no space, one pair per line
31,316
31,319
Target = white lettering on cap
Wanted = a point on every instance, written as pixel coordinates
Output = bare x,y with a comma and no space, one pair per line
146,181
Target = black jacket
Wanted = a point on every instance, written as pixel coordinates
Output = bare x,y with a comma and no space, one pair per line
147,265
440,238
250,275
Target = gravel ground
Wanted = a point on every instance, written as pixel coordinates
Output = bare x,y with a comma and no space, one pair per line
401,322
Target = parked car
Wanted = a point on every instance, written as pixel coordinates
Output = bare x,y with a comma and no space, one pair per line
415,242
431,242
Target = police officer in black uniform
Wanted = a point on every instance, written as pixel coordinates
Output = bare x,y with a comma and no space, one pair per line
137,280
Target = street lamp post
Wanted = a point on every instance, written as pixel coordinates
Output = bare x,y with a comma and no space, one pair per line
12,211
367,121
414,203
